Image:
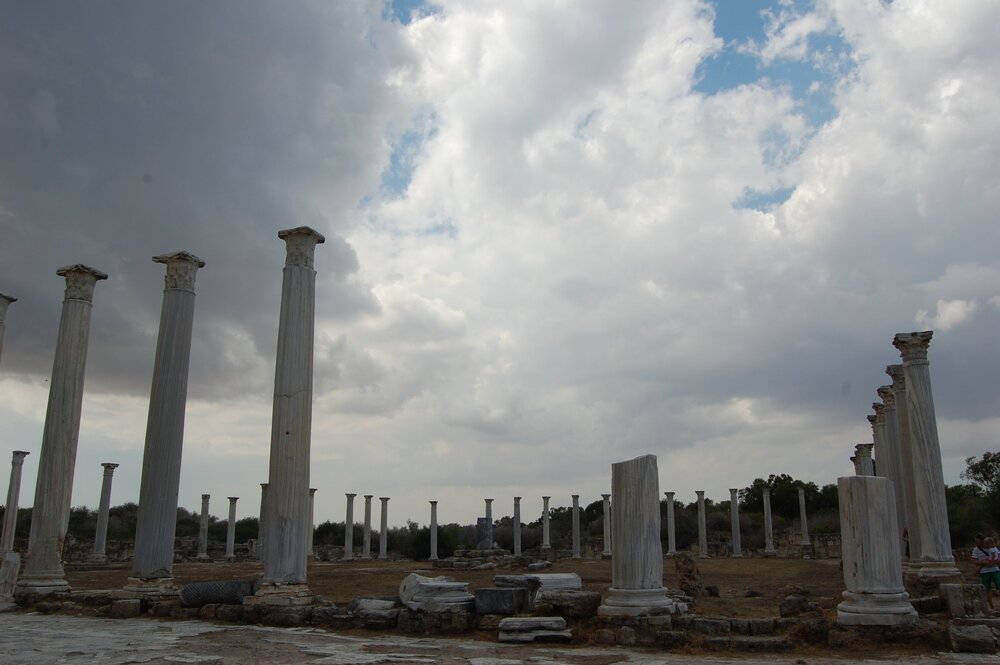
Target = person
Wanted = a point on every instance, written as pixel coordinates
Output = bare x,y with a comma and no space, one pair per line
987,557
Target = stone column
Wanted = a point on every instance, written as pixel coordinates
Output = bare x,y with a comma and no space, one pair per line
434,531
768,525
311,525
284,577
43,571
366,546
13,497
607,526
489,524
546,543
203,529
936,560
5,300
637,566
906,474
702,528
875,594
671,531
576,525
863,451
517,526
349,528
856,463
101,535
262,522
734,519
804,542
886,436
156,519
231,530
383,534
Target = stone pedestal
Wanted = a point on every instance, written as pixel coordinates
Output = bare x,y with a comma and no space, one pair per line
702,527
43,571
768,525
203,529
13,498
671,528
262,522
517,526
875,594
383,534
349,528
156,519
734,519
576,526
366,546
5,300
866,465
804,542
546,543
637,567
607,526
231,530
434,531
101,534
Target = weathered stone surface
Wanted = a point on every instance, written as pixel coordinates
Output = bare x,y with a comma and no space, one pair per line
126,609
537,636
519,624
559,581
761,626
689,574
530,582
508,600
162,608
229,612
435,594
379,619
627,636
671,639
539,565
795,605
10,566
207,612
963,600
763,644
740,626
489,622
971,639
812,628
927,604
568,603
710,626
371,603
178,612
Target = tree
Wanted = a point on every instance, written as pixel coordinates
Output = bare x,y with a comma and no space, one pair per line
984,472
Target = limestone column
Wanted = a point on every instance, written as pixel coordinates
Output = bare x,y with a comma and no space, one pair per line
886,437
43,571
434,531
489,523
5,300
607,525
875,594
804,542
702,529
349,528
383,535
768,525
906,465
366,546
101,535
262,521
637,566
671,531
310,525
546,543
517,526
734,519
576,525
13,497
291,423
156,519
203,529
863,451
936,560
231,530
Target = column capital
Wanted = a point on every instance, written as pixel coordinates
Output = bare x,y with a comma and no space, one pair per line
913,346
864,450
80,281
17,459
700,493
312,490
872,420
517,498
383,498
669,495
574,496
263,486
369,496
233,498
766,491
349,495
181,269
488,500
887,396
109,467
605,496
879,409
300,244
895,373
206,497
433,503
546,497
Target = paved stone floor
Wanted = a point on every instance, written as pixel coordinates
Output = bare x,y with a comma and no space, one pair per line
38,639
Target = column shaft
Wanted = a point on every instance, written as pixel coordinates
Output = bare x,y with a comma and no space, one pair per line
734,518
702,528
886,436
517,526
349,529
203,528
383,536
262,522
310,525
366,545
768,525
805,542
576,526
434,531
671,528
607,525
906,473
546,543
489,525
13,497
101,534
4,302
231,530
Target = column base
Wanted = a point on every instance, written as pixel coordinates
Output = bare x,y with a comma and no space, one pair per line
280,595
33,587
876,609
636,602
95,557
202,557
434,558
670,554
151,588
736,555
703,556
807,550
770,553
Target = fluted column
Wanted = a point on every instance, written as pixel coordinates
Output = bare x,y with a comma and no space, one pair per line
936,560
671,530
203,528
5,300
911,524
349,528
434,531
768,525
866,466
231,530
101,534
734,519
13,497
383,534
886,436
291,422
43,571
607,525
366,546
262,521
489,523
856,463
702,528
804,542
576,526
310,525
156,519
546,543
517,526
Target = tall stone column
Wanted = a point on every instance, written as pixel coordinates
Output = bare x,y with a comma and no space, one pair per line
517,526
366,546
284,577
875,594
434,531
671,530
383,534
546,543
262,521
702,528
203,528
734,519
866,466
43,572
311,525
101,534
768,525
637,566
13,497
349,528
576,525
856,463
489,524
906,474
156,519
607,526
936,560
5,300
886,437
231,530
804,542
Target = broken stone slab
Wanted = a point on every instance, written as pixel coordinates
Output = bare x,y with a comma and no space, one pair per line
434,593
971,639
537,636
963,600
503,600
559,581
379,619
568,603
523,624
529,582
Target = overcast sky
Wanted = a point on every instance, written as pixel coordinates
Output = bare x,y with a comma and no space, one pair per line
559,235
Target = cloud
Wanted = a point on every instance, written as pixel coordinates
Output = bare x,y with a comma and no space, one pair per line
949,314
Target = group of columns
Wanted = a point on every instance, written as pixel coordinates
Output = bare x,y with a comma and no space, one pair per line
366,539
734,513
230,529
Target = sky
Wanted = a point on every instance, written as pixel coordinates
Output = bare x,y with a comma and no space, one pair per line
559,235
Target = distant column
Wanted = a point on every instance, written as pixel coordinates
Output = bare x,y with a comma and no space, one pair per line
671,530
546,544
5,300
887,449
489,523
101,534
434,531
366,546
517,526
805,542
262,522
768,525
231,530
156,518
203,529
43,571
13,496
383,536
856,463
863,451
311,526
906,474
936,561
734,518
607,525
576,526
349,528
702,530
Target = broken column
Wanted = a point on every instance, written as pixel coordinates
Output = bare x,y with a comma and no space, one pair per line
43,571
734,519
607,525
875,594
366,546
101,534
434,531
768,525
349,528
383,535
231,530
546,543
203,529
156,519
702,528
576,526
5,300
10,561
805,543
517,526
262,522
866,465
671,531
637,566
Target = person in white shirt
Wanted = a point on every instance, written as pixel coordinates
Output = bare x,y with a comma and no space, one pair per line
987,557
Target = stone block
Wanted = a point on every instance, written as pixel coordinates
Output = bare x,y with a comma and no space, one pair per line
490,622
178,612
605,636
717,643
126,609
10,565
506,601
963,600
436,594
371,603
761,626
794,605
671,639
971,639
740,626
764,644
840,638
539,565
162,609
626,636
524,624
207,612
559,582
927,604
378,619
229,612
537,636
710,626
568,603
